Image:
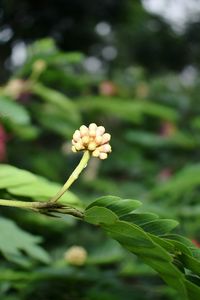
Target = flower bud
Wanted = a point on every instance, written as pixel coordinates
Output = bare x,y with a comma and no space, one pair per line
76,255
103,155
83,130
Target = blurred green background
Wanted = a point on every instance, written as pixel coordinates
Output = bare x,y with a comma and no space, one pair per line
132,66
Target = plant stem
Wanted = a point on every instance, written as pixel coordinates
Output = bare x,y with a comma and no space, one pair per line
43,207
75,174
22,204
52,206
34,205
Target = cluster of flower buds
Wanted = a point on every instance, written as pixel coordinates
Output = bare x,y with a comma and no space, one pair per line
92,138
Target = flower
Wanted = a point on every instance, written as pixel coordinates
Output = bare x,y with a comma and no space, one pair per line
92,138
76,255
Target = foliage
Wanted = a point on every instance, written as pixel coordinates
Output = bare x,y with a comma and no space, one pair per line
154,123
148,237
19,240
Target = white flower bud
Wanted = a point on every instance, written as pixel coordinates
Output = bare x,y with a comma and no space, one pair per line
93,126
107,148
76,135
100,130
106,138
103,155
98,139
83,130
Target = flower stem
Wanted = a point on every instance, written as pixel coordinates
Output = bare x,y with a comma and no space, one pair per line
75,174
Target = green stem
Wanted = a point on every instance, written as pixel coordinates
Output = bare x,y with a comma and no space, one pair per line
37,205
75,174
51,206
43,207
22,204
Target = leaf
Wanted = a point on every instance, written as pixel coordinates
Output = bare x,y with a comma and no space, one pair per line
59,100
97,215
119,206
130,110
13,112
11,176
191,263
54,119
179,247
193,290
129,235
186,179
168,254
104,201
124,206
159,227
13,240
46,48
147,139
163,243
19,182
139,218
42,190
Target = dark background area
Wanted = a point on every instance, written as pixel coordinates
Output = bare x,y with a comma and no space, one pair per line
138,36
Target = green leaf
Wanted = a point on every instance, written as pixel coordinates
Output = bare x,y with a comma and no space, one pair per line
54,119
191,263
13,112
186,179
140,218
159,227
170,255
129,235
42,189
193,290
124,206
104,201
130,110
13,240
98,215
166,244
147,139
11,176
19,182
119,206
58,100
